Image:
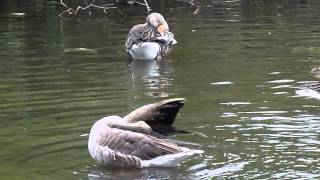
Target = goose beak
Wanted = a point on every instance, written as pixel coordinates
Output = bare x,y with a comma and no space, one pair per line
161,29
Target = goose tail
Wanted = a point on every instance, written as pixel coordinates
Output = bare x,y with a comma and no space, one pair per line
170,160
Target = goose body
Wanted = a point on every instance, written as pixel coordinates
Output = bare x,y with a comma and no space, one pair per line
151,40
130,141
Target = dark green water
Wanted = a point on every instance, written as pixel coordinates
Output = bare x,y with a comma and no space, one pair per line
238,63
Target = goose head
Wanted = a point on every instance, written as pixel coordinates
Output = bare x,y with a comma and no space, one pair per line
157,22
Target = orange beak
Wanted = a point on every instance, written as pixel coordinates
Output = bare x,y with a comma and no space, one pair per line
161,29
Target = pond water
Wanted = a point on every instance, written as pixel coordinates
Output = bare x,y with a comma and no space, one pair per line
238,64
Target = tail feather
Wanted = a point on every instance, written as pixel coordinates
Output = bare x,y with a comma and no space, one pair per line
170,160
159,116
166,112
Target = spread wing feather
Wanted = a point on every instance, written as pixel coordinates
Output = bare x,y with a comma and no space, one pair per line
163,112
137,144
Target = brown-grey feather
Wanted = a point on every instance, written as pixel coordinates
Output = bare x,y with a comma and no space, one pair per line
139,33
140,145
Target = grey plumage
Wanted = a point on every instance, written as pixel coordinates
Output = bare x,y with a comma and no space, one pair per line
151,40
139,33
128,142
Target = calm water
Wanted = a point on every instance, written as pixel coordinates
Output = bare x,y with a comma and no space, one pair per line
238,63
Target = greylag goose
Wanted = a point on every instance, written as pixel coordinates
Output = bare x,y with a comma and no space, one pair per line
151,40
130,142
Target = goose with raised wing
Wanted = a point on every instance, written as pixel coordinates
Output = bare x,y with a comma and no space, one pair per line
151,40
133,141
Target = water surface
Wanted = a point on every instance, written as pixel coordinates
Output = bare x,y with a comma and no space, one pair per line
238,63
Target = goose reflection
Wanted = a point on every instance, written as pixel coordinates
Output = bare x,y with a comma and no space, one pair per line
152,76
101,173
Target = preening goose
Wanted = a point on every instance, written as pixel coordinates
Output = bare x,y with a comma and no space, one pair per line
151,40
130,142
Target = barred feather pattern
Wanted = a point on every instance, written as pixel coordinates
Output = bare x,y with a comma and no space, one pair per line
166,47
314,86
165,50
140,33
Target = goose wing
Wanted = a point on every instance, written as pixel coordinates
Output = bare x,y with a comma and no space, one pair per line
139,33
140,145
160,113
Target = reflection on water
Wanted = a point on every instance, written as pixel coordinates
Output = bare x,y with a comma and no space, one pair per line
238,63
228,169
153,76
308,93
